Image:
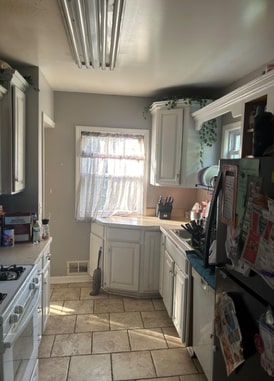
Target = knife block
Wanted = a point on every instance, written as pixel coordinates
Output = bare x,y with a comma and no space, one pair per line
164,212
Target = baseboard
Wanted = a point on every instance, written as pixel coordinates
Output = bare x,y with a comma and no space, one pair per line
70,279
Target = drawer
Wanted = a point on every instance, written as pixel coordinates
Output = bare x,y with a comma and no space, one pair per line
178,255
97,229
122,234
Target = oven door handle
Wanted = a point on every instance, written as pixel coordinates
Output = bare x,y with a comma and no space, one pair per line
12,337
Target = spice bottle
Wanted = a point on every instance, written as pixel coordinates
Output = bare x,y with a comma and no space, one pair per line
45,228
36,232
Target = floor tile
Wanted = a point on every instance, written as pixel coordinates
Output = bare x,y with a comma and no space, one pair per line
72,307
174,378
92,367
66,293
132,365
172,338
138,304
110,341
85,294
80,284
158,304
172,362
108,305
90,323
56,307
72,344
60,324
53,369
145,339
125,320
156,319
193,377
46,345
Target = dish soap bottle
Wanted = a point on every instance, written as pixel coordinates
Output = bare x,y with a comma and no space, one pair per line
35,229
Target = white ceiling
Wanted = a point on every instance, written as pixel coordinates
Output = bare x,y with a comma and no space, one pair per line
164,44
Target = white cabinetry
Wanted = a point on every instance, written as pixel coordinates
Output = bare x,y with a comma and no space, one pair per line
203,320
13,132
150,263
44,274
175,288
175,145
131,258
95,243
167,286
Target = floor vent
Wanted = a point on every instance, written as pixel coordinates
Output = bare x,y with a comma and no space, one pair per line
77,267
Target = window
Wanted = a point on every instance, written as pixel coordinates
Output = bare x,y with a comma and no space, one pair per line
231,141
110,172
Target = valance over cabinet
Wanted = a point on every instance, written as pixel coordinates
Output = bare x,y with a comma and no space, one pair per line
13,131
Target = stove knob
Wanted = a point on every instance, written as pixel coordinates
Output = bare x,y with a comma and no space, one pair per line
19,309
14,318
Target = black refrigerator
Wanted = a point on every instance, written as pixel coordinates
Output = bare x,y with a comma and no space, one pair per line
244,234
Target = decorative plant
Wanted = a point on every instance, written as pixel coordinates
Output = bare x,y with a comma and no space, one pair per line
208,136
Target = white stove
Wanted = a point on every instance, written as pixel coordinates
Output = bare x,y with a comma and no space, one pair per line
19,300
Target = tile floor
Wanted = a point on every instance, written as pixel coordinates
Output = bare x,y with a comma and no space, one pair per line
111,338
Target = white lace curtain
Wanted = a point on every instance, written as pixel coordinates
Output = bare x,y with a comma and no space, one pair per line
111,175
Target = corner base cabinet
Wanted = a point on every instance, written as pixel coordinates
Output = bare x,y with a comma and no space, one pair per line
131,258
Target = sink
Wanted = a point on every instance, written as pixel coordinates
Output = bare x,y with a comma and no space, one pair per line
182,234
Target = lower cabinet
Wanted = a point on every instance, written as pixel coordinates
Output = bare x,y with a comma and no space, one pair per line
131,258
44,304
175,287
122,260
203,320
167,285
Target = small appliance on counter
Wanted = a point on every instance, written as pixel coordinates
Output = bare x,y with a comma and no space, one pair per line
21,223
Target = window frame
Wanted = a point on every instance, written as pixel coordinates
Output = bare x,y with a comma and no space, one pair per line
133,131
226,131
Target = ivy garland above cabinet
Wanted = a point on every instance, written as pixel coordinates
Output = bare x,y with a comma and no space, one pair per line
176,147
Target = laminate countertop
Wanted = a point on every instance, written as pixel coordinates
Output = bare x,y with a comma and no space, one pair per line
23,253
139,221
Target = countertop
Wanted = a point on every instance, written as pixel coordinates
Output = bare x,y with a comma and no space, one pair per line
23,253
140,221
167,227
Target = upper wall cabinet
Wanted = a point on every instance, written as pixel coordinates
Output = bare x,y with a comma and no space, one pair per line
241,102
13,131
175,145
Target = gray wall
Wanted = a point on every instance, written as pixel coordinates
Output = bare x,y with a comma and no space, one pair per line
71,238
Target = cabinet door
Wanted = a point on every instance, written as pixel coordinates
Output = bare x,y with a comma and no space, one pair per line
162,255
95,243
46,290
121,266
167,290
19,137
150,262
203,318
167,127
180,302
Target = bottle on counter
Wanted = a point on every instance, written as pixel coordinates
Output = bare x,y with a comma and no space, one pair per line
36,231
45,228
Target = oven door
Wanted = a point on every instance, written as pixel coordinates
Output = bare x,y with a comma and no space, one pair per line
20,354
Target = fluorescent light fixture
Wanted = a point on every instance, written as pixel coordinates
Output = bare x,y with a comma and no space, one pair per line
93,27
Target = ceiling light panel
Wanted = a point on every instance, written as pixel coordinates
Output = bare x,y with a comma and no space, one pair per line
93,28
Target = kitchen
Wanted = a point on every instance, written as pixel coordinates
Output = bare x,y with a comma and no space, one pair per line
68,109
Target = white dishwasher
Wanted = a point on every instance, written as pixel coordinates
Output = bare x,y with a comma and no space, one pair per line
203,322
